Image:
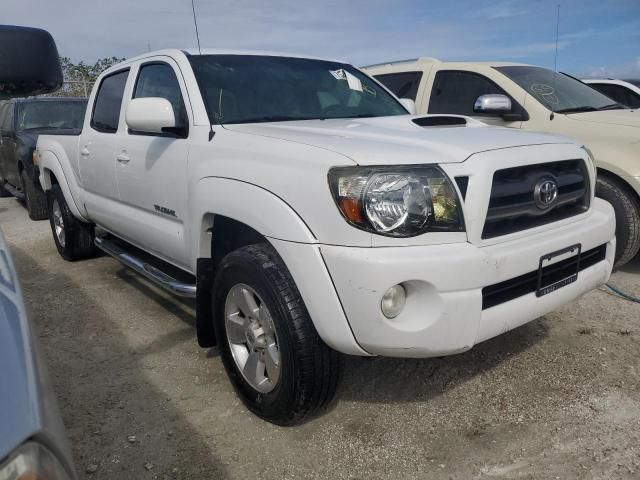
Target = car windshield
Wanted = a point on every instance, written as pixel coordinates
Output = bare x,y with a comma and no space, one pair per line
558,92
254,89
55,114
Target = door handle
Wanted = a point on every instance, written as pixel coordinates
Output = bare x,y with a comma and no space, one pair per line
123,158
85,152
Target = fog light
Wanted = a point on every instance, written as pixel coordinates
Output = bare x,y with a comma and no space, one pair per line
393,301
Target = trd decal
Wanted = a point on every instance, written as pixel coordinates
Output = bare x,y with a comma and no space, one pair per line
165,210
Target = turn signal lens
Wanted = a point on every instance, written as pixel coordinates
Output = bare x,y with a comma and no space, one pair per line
32,461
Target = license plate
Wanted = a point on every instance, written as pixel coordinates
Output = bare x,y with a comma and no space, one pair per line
552,277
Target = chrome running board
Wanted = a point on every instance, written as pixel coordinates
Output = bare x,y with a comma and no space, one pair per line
150,272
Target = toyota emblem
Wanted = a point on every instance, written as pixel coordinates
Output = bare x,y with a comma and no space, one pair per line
545,193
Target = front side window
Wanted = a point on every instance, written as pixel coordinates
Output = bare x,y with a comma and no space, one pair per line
618,93
106,110
456,92
557,92
254,89
159,80
51,114
403,84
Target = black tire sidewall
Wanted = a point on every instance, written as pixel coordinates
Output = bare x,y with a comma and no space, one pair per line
65,251
276,404
625,207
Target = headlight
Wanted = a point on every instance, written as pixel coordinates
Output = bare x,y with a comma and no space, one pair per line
399,201
32,461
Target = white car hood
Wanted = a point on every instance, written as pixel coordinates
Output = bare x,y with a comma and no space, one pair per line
397,140
627,118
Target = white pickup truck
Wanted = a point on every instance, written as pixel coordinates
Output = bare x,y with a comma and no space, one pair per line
309,214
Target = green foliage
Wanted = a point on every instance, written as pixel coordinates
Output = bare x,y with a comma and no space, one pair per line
80,77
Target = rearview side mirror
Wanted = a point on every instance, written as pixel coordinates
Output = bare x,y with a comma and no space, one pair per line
493,104
29,62
409,104
151,115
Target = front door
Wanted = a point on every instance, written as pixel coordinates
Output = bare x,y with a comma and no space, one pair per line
456,92
152,168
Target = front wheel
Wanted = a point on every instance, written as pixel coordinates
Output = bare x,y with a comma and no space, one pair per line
73,238
627,211
277,362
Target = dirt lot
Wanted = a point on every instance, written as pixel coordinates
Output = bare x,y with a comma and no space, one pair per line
557,398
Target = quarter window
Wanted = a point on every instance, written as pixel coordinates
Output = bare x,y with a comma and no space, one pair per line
403,85
159,80
106,110
456,92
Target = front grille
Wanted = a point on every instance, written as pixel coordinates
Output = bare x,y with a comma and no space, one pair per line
528,283
512,205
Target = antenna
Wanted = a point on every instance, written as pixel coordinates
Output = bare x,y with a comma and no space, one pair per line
195,22
555,60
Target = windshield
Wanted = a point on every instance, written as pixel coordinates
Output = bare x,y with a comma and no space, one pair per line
253,89
557,92
51,114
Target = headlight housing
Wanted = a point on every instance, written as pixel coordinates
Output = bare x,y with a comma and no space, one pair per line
396,201
32,461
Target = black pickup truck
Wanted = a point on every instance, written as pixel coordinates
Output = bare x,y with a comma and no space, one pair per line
21,121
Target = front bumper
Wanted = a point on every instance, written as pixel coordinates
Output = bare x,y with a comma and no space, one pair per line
443,313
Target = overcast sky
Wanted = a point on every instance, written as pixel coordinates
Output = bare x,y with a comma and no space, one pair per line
596,36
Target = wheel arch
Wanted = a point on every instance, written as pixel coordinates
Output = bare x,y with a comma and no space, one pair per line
608,173
51,172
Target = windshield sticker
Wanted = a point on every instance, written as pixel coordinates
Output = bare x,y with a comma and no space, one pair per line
353,81
545,92
339,74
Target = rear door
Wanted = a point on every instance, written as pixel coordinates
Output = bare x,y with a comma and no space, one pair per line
152,168
97,149
8,164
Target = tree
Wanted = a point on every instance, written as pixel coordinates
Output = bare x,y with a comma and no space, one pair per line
80,77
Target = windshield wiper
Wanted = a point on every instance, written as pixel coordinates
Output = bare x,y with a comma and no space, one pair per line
584,108
613,106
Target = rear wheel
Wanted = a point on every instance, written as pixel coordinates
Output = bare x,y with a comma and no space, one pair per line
277,362
73,238
627,211
35,198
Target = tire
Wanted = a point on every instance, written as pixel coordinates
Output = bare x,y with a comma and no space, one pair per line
627,211
309,371
34,198
3,192
74,240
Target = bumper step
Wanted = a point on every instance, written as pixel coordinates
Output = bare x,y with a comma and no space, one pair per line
150,268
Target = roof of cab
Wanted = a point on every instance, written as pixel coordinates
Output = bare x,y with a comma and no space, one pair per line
431,60
215,51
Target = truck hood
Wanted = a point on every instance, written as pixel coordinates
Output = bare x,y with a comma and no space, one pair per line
398,140
627,118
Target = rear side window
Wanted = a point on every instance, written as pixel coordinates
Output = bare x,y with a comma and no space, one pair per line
456,92
106,110
159,80
403,85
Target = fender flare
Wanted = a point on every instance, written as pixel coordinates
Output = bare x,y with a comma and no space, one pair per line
50,164
251,204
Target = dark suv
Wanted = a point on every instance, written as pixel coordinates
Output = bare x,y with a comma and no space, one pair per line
21,121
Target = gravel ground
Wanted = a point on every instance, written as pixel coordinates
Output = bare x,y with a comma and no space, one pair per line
556,398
